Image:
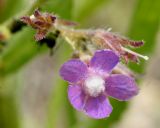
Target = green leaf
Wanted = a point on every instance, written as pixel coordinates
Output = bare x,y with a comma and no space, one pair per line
11,8
84,8
21,48
59,7
144,26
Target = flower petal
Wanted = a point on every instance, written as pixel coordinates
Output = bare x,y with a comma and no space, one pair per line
121,87
76,96
73,70
98,107
104,60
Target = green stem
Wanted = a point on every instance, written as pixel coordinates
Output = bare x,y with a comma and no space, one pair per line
55,104
9,114
58,99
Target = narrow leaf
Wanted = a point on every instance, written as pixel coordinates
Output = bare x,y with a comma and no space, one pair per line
21,48
144,26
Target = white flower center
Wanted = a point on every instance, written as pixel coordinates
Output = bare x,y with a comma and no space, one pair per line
94,85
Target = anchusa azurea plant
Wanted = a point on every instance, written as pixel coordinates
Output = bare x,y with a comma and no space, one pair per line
98,68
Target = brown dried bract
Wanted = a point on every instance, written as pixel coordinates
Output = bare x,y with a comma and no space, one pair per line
118,44
42,22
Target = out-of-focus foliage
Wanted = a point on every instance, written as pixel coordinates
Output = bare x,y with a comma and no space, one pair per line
59,7
17,53
22,48
58,100
10,8
8,112
145,25
84,8
22,51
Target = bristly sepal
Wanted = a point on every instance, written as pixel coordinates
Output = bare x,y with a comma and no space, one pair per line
120,45
42,22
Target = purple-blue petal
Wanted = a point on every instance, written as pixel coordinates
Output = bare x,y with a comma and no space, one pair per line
73,70
104,60
76,96
98,107
121,87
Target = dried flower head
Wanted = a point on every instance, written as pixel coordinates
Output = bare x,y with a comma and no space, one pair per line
88,41
42,22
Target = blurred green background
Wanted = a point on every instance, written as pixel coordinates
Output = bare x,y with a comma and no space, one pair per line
32,95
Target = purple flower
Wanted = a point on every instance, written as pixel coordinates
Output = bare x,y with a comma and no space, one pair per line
90,85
